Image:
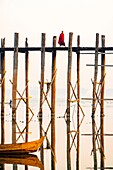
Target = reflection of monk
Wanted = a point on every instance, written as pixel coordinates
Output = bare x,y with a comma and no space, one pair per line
61,39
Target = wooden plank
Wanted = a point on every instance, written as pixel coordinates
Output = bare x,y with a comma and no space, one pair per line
42,88
102,164
101,65
98,99
50,49
69,72
78,108
14,86
94,102
53,104
2,92
27,89
90,134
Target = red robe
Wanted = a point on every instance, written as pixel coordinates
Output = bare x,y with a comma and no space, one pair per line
61,39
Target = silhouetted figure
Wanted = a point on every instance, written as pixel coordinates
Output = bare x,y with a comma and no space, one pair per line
10,103
61,39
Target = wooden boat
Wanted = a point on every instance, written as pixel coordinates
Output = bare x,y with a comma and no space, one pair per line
28,159
21,148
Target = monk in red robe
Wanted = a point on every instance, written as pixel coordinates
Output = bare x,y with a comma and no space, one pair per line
61,39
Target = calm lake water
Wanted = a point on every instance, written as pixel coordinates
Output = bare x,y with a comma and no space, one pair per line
86,158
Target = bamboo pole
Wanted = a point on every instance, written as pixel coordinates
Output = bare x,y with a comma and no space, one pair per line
102,103
14,86
68,97
78,110
2,92
2,55
27,89
42,88
94,102
26,167
53,103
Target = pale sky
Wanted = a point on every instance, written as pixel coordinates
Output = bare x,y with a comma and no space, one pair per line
82,17
31,18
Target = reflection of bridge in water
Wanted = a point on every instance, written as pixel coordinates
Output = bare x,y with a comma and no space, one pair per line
97,96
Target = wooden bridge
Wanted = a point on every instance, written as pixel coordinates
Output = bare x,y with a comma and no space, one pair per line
97,98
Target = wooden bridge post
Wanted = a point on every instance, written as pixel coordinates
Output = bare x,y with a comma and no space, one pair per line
94,103
27,89
53,103
68,99
14,86
78,110
102,102
2,92
42,89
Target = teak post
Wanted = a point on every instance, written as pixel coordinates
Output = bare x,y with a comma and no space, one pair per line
27,89
53,103
102,102
14,86
94,102
68,99
2,92
78,110
42,88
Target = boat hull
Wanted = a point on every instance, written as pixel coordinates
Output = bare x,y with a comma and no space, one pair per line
21,148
